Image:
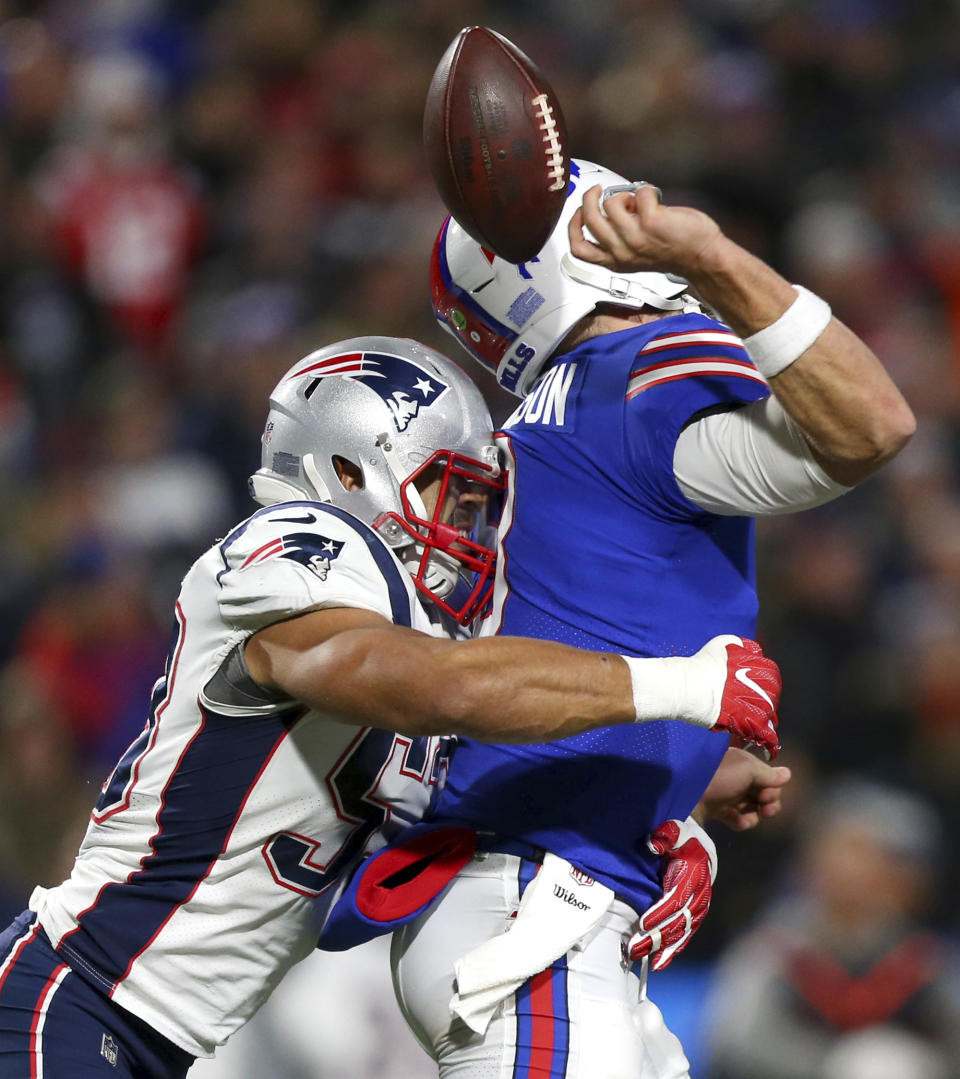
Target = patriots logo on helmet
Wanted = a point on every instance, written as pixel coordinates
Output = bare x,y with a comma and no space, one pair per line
310,549
404,386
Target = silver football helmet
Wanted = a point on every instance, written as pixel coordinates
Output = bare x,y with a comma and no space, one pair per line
399,436
512,318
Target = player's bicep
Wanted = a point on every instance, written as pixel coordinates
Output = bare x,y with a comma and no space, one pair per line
750,461
284,655
355,667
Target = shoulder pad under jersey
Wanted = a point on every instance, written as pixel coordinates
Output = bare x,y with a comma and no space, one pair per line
296,557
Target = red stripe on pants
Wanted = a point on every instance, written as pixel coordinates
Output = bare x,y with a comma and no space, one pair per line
542,1022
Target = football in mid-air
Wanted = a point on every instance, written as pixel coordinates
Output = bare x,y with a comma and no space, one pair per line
496,143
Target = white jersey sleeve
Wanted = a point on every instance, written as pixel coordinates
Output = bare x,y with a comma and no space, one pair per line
228,828
750,461
306,556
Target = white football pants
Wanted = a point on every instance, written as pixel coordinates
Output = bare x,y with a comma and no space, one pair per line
586,1017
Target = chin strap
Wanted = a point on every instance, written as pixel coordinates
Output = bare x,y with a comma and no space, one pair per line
627,287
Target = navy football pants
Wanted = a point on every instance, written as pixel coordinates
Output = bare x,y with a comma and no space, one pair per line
55,1025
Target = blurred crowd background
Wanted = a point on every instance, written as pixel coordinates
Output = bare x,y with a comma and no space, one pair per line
194,193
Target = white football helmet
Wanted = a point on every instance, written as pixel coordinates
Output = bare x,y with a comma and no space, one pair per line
407,419
512,317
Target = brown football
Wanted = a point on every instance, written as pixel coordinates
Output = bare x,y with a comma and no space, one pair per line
496,143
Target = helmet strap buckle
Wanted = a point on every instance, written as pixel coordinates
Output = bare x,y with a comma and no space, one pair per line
619,287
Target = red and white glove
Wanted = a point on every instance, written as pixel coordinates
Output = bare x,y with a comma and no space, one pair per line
729,685
689,870
751,692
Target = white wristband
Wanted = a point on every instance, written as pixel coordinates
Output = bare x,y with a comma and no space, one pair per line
776,346
673,688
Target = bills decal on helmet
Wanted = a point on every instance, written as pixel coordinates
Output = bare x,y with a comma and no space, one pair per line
310,549
525,306
404,386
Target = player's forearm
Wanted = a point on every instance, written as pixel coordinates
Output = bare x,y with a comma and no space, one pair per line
837,391
852,414
360,669
355,667
747,293
496,689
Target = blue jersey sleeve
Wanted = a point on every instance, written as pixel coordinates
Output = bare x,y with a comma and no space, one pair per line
691,365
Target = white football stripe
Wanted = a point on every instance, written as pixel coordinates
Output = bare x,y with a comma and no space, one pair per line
37,1039
687,368
693,337
326,368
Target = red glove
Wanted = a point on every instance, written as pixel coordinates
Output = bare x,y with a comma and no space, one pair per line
689,870
748,706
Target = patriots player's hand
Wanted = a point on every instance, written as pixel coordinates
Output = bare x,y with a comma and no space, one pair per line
747,705
689,870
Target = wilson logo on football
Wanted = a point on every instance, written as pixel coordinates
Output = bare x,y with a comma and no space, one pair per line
404,386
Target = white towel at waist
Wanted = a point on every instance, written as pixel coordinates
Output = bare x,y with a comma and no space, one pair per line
559,910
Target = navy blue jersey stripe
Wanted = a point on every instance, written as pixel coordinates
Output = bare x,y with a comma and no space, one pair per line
193,825
386,563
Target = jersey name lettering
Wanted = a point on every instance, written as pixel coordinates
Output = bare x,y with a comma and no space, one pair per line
547,405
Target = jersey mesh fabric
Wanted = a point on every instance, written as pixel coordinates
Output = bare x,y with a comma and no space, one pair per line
602,550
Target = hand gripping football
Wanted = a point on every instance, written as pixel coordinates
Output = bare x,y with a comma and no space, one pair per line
496,144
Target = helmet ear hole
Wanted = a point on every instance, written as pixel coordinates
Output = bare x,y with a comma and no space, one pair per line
349,474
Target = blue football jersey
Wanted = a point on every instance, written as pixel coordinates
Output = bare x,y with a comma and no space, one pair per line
599,548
